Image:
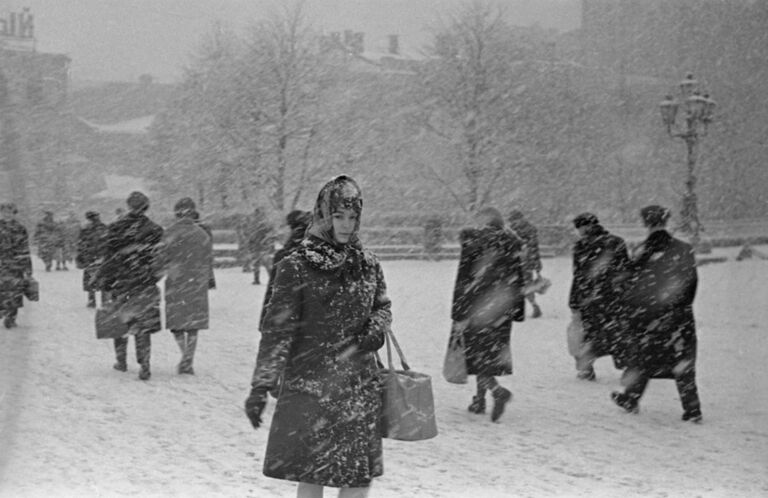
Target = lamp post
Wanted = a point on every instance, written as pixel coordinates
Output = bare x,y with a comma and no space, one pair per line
698,110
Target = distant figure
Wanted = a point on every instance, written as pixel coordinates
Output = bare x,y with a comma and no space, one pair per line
91,246
70,228
433,237
15,263
260,238
298,221
531,257
184,258
662,330
129,275
599,262
49,239
487,298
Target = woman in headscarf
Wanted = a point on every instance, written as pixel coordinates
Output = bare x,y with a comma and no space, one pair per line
327,316
487,298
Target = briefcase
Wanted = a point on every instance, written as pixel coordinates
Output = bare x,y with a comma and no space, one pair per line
108,322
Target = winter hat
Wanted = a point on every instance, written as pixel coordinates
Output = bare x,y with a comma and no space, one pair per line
92,215
654,215
184,207
138,202
491,217
515,215
585,220
342,192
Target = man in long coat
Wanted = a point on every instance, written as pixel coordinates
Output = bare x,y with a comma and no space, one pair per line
91,245
599,262
186,258
487,298
260,238
662,329
129,274
15,263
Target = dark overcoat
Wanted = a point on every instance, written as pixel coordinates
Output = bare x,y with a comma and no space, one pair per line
15,261
661,328
600,261
49,237
488,297
130,273
91,247
327,316
185,257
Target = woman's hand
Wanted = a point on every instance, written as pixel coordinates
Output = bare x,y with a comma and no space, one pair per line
255,404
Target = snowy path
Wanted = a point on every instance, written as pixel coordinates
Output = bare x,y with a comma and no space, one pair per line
72,426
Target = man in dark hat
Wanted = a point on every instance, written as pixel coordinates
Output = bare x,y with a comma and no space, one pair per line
599,262
185,258
128,274
661,327
91,244
15,263
530,255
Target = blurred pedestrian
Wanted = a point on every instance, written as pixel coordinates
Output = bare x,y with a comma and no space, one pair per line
70,228
15,263
530,255
600,260
298,221
185,257
487,298
91,247
260,239
129,274
662,329
328,314
49,239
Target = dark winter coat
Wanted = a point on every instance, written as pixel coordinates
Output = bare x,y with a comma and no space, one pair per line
49,237
15,262
91,247
185,257
529,236
328,314
488,297
661,331
129,272
600,261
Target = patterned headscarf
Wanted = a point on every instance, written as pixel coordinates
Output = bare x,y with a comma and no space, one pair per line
341,192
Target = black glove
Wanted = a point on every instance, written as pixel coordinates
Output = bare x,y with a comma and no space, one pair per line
255,404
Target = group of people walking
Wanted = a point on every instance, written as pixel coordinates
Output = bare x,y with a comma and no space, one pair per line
326,313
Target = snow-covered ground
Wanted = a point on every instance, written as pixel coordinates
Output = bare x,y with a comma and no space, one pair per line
73,426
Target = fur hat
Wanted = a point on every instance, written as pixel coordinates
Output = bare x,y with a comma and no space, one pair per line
137,202
654,215
585,220
184,207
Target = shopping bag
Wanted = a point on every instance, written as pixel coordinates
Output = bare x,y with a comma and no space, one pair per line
455,362
108,322
539,286
575,336
31,289
408,406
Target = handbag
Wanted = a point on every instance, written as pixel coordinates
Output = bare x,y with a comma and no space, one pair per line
539,286
31,289
108,322
455,362
408,406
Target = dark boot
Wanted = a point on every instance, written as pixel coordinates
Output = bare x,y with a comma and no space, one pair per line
478,405
121,350
9,322
536,311
587,374
189,354
143,353
692,416
144,373
501,397
625,401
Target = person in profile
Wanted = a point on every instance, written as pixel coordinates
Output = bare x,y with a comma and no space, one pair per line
661,326
91,244
487,298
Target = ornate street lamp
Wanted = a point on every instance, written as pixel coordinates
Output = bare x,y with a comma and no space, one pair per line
697,113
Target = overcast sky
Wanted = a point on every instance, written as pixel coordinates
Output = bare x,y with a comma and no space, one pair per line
122,39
